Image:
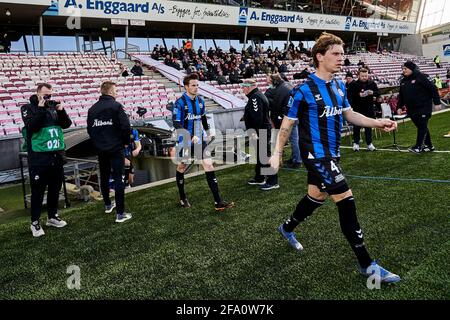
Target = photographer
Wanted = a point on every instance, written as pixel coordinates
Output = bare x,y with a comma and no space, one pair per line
44,120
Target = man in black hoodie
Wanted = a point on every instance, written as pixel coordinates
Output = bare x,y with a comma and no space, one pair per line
362,94
256,117
109,129
44,120
418,93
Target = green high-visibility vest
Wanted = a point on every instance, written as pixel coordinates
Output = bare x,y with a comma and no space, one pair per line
438,83
48,139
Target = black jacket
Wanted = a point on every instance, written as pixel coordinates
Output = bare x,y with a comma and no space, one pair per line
256,114
417,93
137,71
35,118
108,125
234,76
363,105
278,98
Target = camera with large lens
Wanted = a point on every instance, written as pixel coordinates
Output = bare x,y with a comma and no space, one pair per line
50,104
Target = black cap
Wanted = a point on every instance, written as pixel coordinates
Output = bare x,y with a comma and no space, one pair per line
349,74
410,65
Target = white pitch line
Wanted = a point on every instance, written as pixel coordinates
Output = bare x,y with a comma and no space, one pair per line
395,150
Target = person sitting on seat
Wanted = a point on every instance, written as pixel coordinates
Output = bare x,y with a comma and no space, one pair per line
137,69
123,71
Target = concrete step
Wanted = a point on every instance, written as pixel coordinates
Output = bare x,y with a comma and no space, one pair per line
209,103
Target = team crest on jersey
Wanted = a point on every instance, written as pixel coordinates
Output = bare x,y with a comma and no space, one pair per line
340,92
291,101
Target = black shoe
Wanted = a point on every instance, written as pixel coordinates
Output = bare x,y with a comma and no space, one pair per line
415,150
428,149
294,165
223,205
289,161
269,186
254,182
185,203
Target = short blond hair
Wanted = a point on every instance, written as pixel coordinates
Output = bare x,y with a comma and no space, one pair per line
107,86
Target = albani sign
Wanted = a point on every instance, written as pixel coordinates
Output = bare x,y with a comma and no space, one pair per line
189,12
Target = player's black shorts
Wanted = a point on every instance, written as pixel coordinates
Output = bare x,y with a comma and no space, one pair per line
327,175
186,153
129,169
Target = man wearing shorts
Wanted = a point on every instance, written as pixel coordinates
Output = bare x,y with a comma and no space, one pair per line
320,105
189,120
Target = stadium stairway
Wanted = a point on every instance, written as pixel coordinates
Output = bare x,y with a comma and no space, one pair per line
209,103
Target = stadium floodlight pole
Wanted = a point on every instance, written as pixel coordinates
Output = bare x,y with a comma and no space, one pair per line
41,35
245,36
193,35
77,40
354,38
126,40
288,38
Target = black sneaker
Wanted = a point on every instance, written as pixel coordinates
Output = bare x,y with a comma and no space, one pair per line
428,149
254,182
223,205
294,165
268,186
415,150
185,203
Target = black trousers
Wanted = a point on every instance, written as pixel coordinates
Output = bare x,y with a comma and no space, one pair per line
40,179
367,131
423,134
272,177
357,134
112,164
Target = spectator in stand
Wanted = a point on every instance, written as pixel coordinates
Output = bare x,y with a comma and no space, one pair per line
137,69
234,75
221,78
188,45
6,44
123,71
283,67
249,71
200,51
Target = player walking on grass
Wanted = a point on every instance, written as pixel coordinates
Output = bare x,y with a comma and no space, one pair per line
320,105
189,116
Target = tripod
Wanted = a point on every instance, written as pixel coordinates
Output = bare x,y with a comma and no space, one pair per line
394,142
